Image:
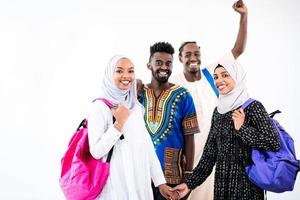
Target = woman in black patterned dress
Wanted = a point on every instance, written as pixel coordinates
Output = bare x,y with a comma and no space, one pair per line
234,132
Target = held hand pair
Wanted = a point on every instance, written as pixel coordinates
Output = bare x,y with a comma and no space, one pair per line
168,192
182,190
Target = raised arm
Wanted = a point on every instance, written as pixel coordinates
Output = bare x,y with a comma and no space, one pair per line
241,39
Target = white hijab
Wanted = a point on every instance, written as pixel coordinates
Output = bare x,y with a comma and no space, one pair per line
239,94
110,91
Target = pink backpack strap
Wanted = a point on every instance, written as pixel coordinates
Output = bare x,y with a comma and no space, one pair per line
110,105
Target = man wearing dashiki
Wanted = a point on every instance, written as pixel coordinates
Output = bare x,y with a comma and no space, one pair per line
170,117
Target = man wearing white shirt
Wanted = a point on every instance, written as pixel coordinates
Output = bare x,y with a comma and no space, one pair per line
203,93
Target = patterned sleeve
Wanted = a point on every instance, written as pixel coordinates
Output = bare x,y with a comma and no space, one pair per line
259,132
189,122
207,161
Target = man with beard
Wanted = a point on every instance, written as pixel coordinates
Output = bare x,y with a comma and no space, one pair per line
170,117
203,93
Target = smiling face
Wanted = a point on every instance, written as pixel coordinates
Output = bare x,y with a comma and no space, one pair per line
123,75
190,58
223,81
161,65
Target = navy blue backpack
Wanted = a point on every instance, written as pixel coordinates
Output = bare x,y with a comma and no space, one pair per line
274,171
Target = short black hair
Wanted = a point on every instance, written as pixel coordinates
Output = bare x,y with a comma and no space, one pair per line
161,47
183,45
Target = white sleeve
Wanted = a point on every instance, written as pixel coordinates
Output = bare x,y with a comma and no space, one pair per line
101,132
156,172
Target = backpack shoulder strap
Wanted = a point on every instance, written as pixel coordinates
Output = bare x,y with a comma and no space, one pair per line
114,119
247,103
210,80
105,101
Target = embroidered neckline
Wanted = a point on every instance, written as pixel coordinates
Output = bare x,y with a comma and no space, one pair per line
156,109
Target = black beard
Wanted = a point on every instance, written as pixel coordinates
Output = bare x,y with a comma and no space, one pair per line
194,72
160,79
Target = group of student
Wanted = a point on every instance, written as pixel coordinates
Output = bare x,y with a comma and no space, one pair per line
168,136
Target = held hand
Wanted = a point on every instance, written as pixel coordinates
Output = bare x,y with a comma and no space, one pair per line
121,113
238,117
167,193
240,7
181,189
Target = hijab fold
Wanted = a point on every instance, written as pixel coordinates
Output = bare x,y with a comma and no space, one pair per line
111,92
239,95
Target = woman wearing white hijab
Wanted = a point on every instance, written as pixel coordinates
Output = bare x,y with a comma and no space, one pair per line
234,132
134,162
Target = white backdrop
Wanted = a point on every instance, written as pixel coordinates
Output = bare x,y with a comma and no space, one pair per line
52,54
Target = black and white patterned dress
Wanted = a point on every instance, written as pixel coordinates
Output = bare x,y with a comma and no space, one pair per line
230,150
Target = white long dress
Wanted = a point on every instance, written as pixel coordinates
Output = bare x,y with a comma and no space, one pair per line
205,101
134,162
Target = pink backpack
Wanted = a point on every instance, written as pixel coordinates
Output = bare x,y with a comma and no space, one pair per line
82,176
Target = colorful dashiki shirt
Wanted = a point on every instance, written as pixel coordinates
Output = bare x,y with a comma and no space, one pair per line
168,118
